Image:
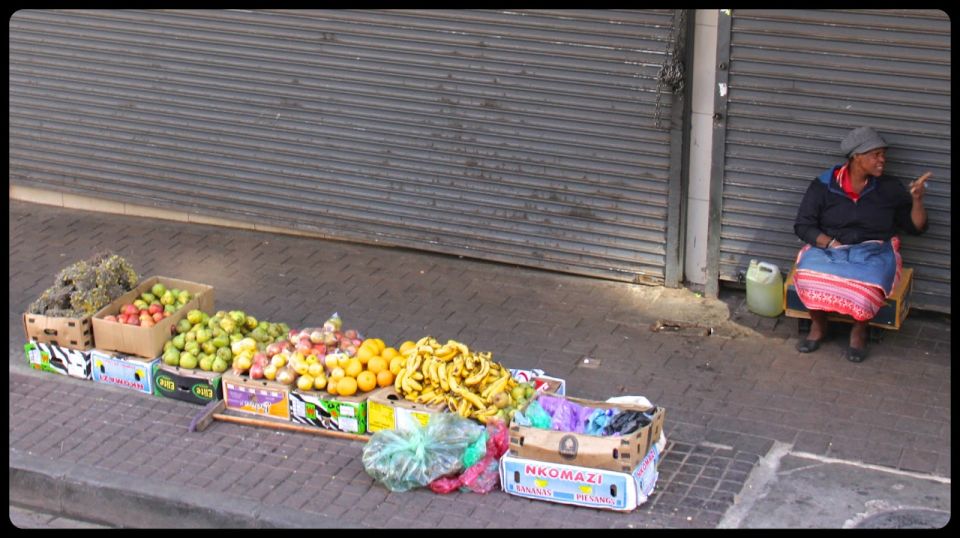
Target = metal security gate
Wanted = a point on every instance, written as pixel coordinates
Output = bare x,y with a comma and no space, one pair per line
796,82
526,137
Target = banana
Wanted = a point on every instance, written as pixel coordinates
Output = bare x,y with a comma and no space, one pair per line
412,384
495,387
472,398
464,408
479,375
489,411
417,376
464,350
412,396
470,362
432,371
398,382
452,381
446,353
442,375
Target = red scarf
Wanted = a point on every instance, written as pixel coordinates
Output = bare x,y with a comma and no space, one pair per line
842,178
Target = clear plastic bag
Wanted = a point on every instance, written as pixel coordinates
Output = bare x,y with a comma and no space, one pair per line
414,457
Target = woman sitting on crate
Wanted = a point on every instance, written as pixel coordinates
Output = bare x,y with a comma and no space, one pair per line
848,218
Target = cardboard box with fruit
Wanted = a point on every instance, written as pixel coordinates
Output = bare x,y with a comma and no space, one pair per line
59,360
256,396
63,312
620,452
128,326
387,410
186,384
581,486
123,370
320,409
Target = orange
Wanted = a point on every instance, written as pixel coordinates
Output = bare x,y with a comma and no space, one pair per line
336,373
385,378
389,353
396,364
406,346
377,364
365,353
353,368
332,386
366,381
381,345
346,386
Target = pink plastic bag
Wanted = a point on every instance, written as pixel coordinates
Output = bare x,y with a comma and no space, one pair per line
484,475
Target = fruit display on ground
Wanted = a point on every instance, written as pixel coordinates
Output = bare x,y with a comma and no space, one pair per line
325,358
471,384
215,343
152,306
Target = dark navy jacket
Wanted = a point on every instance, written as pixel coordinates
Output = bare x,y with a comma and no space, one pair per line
883,207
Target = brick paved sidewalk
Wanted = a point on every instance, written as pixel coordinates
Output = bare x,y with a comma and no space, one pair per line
728,398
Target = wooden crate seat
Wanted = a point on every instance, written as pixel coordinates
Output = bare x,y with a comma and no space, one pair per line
890,316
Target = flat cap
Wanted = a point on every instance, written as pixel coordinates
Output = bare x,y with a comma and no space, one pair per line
861,140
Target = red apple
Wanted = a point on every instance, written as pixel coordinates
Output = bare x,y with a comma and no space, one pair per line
157,317
133,320
166,314
130,309
350,333
155,308
147,322
319,350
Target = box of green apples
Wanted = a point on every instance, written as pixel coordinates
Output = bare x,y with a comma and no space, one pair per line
147,340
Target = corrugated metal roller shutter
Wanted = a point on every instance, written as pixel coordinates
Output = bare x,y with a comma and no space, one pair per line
798,82
525,137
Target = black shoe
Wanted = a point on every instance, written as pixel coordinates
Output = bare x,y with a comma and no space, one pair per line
808,346
855,355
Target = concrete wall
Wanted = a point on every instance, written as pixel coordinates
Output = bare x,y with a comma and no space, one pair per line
701,144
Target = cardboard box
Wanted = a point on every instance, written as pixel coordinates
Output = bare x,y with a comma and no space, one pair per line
320,409
387,410
614,453
72,333
541,382
123,370
256,396
190,385
59,360
581,486
147,342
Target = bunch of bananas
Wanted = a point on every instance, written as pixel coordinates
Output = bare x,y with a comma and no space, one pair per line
450,373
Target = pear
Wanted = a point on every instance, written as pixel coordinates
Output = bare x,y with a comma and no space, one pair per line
219,365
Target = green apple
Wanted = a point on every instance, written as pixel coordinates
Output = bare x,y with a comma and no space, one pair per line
206,363
194,316
184,297
148,297
225,353
191,346
158,289
208,347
